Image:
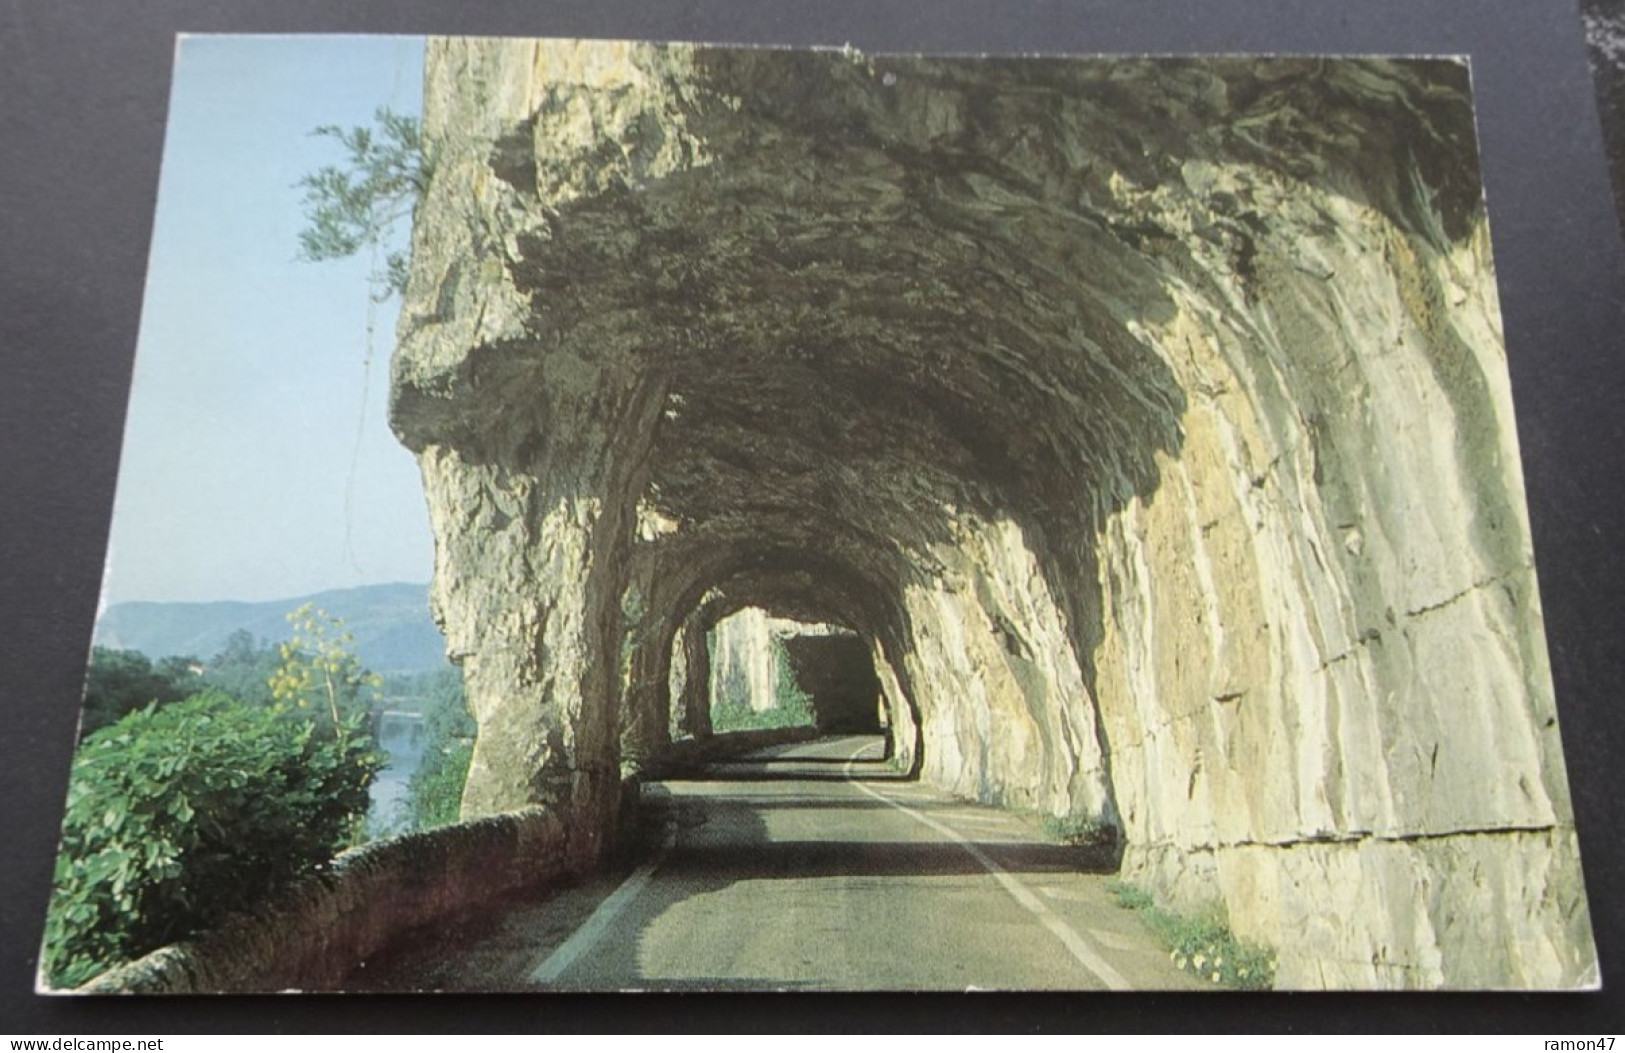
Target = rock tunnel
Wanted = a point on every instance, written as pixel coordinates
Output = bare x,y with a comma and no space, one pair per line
1146,420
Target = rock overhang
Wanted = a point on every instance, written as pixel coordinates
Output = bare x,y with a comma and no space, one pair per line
877,288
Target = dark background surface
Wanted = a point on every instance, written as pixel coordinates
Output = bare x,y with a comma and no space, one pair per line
82,95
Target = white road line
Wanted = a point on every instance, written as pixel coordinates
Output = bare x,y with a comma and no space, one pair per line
592,930
1076,945
971,819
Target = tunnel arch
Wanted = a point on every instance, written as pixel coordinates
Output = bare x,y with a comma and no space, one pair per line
698,586
1150,416
771,669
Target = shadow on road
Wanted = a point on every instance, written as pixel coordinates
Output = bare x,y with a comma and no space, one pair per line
733,833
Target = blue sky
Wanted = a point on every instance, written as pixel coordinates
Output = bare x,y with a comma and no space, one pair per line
258,462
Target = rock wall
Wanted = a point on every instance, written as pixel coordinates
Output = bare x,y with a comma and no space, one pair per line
1148,419
744,668
1326,617
744,657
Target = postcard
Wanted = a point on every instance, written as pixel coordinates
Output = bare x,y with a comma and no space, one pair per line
612,515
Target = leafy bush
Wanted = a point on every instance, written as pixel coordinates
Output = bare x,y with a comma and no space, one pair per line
180,814
435,794
1203,945
1079,830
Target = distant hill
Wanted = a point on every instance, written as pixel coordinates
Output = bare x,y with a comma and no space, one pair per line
393,630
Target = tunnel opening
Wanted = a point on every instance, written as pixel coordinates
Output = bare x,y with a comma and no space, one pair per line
772,672
837,673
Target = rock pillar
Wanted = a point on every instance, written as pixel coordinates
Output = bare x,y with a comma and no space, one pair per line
691,654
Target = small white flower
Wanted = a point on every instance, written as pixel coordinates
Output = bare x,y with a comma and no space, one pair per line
1215,977
1199,960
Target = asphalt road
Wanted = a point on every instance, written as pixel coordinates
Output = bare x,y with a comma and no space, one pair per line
811,866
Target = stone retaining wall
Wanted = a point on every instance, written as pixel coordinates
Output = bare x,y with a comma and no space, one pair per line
728,744
313,934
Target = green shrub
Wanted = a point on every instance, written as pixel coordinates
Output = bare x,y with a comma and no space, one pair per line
1203,945
1079,830
788,695
180,814
743,718
435,794
1131,897
792,707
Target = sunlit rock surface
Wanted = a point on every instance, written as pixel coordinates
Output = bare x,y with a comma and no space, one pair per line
1148,418
745,649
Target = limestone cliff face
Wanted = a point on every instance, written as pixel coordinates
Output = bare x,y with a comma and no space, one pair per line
1148,418
745,650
